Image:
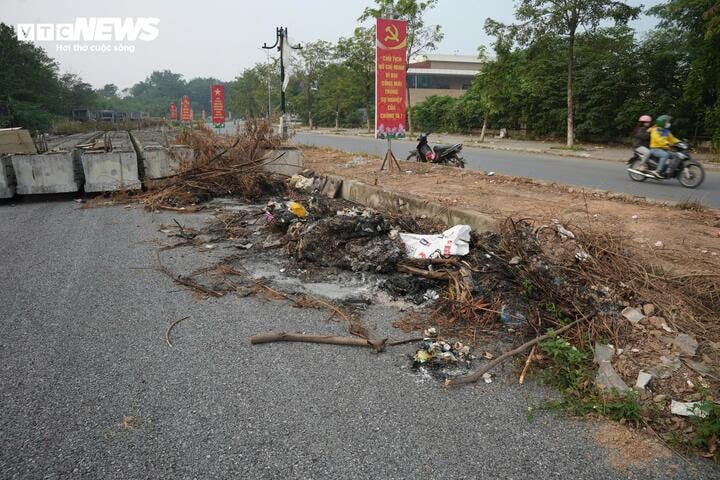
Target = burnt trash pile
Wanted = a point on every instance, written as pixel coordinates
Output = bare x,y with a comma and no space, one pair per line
359,241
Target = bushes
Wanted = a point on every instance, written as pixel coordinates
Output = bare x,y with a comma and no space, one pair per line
447,114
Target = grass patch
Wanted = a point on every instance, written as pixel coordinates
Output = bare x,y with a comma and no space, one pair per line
570,370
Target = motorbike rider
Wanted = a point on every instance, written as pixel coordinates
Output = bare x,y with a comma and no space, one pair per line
660,142
641,140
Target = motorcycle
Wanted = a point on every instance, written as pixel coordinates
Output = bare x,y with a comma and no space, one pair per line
444,154
680,165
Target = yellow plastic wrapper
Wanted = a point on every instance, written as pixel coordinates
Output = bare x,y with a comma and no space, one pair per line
297,209
422,356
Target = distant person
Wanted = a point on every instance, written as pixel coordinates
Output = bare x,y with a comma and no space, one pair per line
660,142
641,140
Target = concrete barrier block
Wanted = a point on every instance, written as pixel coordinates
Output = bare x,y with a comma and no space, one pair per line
110,164
7,177
285,160
110,171
50,172
160,158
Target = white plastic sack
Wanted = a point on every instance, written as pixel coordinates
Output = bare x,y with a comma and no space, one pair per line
454,241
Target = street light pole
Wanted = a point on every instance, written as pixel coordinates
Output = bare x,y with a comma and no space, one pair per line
281,36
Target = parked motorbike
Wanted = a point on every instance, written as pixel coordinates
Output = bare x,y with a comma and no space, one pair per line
444,154
680,165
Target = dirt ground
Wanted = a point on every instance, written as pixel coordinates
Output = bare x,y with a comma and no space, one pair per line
628,448
683,238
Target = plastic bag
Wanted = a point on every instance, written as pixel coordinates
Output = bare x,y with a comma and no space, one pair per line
454,241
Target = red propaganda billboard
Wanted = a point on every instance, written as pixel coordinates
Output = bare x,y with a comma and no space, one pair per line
185,112
217,105
173,112
390,78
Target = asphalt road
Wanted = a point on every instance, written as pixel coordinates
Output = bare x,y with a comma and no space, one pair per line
82,347
600,174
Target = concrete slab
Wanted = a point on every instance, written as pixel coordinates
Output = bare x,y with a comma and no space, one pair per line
16,140
285,160
160,156
55,171
110,164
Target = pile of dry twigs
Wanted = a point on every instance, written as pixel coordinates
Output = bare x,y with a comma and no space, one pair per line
222,166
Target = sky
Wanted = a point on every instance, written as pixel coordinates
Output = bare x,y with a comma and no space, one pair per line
220,38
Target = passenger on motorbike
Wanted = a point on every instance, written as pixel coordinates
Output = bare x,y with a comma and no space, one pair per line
660,142
641,140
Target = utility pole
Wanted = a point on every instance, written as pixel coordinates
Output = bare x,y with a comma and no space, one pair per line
269,110
281,43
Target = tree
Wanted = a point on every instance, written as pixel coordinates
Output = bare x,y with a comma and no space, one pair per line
540,18
694,29
314,58
421,38
109,90
358,54
337,90
29,84
251,90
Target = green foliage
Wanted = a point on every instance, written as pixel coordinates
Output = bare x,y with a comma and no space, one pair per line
251,89
571,372
420,36
30,89
568,369
527,289
358,54
707,425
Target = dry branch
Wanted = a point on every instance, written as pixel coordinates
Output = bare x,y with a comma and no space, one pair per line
477,375
377,345
169,329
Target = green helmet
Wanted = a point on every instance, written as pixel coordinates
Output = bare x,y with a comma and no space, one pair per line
662,120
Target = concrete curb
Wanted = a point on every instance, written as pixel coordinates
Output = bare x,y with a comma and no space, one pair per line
382,199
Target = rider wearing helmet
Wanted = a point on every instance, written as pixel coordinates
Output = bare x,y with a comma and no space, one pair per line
660,142
641,140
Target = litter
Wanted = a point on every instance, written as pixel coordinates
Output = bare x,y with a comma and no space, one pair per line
687,409
297,210
685,343
666,367
582,256
439,353
606,376
659,323
643,379
487,377
298,182
454,241
633,315
431,295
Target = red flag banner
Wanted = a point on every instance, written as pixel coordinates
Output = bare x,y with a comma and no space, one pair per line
217,105
173,112
390,78
185,112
